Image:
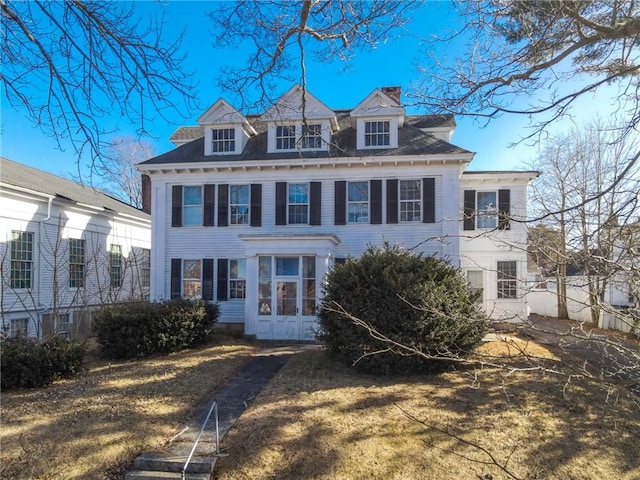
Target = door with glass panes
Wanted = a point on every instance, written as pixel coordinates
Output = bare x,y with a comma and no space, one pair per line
287,297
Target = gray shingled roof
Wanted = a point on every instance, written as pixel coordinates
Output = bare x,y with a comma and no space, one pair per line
187,133
19,175
411,140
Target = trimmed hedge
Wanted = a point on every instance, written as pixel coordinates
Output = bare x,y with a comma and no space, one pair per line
129,330
420,302
28,362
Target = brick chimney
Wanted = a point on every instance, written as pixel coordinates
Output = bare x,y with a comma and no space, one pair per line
393,93
146,193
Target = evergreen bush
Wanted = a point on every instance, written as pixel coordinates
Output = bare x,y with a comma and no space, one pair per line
129,330
420,302
28,362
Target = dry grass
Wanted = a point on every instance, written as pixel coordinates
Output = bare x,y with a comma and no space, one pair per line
318,420
92,426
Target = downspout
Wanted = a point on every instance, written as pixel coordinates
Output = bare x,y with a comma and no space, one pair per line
41,308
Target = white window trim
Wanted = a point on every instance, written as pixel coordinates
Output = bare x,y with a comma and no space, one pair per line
478,213
368,202
308,204
499,281
238,139
393,133
237,279
418,200
185,206
325,135
183,278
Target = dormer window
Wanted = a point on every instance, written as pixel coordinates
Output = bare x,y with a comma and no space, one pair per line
377,134
223,140
285,137
311,136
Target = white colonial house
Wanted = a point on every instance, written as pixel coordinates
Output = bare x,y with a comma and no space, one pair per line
65,250
252,211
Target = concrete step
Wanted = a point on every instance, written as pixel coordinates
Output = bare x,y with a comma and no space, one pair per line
173,463
151,475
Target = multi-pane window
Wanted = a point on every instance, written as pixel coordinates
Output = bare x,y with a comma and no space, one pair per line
237,278
76,262
239,204
377,134
507,280
486,210
298,203
19,327
358,202
308,285
311,136
192,278
476,286
21,259
115,266
192,205
145,267
285,137
62,325
223,140
264,286
410,200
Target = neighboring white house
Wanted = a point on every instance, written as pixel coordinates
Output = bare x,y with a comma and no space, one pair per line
65,249
252,211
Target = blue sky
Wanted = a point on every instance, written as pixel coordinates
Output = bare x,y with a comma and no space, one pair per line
392,63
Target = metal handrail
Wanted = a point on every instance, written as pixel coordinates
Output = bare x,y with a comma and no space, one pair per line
214,406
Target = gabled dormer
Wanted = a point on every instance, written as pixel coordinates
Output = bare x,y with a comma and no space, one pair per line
226,131
377,118
299,122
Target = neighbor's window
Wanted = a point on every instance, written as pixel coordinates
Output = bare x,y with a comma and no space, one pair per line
19,327
192,279
376,134
285,137
474,277
298,203
76,262
145,268
223,140
410,198
486,210
239,204
311,136
358,202
507,280
115,266
237,278
192,205
62,325
21,259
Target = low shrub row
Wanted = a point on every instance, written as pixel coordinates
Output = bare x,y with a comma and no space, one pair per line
27,362
129,330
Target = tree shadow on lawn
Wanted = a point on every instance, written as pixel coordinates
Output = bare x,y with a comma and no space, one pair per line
318,419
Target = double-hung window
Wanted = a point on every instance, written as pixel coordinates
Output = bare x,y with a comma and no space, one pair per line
410,201
487,210
237,278
145,267
76,262
358,202
115,266
19,327
223,140
476,286
21,259
311,136
285,137
298,203
377,133
192,206
192,278
239,204
507,280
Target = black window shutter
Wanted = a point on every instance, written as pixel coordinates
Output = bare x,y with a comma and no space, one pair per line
223,205
504,209
207,279
281,203
209,205
392,201
256,205
223,276
429,200
315,203
469,222
376,201
340,203
176,206
176,277
339,260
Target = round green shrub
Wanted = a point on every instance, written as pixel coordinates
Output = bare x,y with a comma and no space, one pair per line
420,302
